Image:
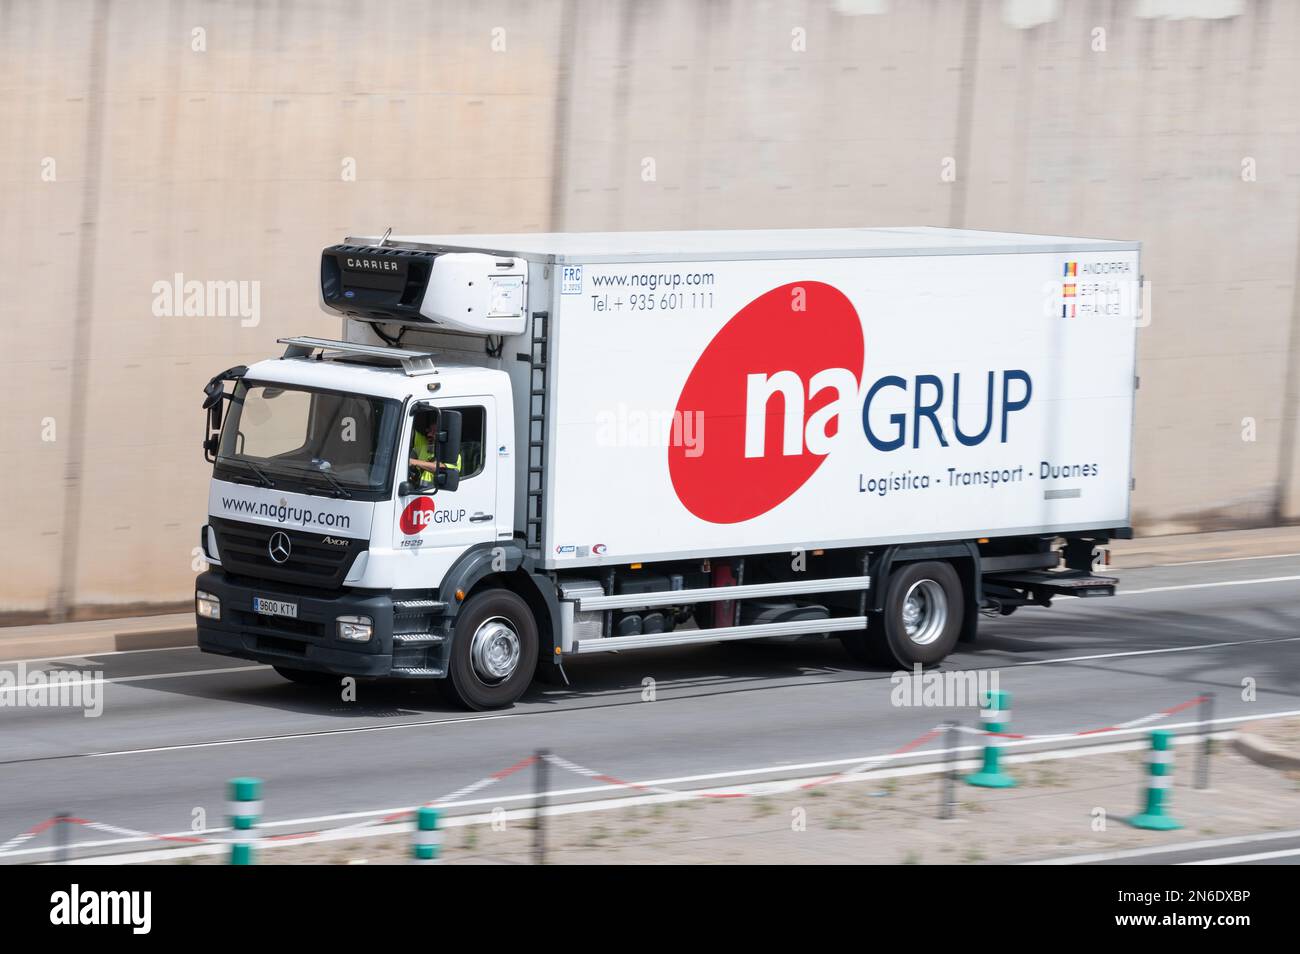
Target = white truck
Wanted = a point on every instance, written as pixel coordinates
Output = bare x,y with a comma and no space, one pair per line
529,447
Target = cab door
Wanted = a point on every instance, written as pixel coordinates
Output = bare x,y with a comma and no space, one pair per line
436,527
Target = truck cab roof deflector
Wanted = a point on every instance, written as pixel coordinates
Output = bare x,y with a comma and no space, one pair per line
412,362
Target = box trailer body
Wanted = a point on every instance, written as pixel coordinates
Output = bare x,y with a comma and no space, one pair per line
688,436
956,402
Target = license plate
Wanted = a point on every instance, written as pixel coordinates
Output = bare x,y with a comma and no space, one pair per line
275,607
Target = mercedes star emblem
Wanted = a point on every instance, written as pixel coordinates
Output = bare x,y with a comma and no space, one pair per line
279,546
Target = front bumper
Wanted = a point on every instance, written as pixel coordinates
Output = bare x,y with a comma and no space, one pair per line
310,641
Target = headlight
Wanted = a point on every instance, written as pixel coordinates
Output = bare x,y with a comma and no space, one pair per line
356,628
206,605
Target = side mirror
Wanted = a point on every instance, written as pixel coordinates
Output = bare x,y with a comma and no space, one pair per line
449,428
214,398
212,435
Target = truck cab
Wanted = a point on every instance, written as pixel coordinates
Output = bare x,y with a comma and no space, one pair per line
328,542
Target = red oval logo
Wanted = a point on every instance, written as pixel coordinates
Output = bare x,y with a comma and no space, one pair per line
746,380
417,516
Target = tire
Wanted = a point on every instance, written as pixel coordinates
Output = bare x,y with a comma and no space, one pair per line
937,605
493,651
308,677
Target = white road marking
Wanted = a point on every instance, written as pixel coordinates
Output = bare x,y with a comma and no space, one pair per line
314,735
107,652
1240,859
1166,849
1205,586
1150,652
1269,556
146,678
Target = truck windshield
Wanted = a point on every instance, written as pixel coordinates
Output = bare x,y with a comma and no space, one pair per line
318,441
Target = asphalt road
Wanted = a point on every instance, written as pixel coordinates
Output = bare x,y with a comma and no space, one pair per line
176,723
1266,848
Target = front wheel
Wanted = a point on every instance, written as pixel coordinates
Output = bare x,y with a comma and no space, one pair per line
493,650
920,621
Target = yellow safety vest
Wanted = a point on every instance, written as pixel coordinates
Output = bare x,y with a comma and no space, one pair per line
423,451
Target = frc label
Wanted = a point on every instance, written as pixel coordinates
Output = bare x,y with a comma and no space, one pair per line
571,280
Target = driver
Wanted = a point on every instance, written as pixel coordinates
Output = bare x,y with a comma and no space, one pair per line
424,444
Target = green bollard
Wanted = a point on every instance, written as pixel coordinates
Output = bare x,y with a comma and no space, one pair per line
428,839
995,715
1160,772
245,810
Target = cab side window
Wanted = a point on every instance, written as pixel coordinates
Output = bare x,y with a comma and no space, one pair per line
472,434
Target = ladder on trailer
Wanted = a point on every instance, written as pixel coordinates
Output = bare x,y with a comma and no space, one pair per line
538,362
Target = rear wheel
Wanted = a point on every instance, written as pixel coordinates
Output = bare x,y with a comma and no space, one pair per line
493,651
920,621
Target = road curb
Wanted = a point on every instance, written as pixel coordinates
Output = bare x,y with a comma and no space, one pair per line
1266,753
98,636
1211,546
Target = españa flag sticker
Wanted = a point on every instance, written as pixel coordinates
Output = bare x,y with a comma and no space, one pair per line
1068,291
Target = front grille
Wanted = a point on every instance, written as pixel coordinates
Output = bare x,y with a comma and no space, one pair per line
259,623
244,548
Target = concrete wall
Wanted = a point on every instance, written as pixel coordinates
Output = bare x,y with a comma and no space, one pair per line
131,156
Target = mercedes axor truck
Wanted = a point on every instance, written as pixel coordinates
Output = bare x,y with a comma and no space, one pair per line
523,448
